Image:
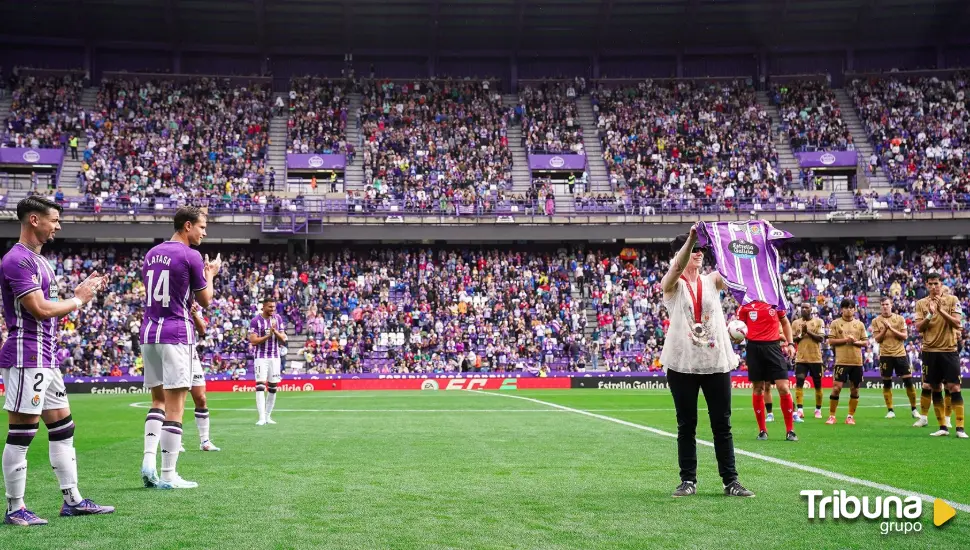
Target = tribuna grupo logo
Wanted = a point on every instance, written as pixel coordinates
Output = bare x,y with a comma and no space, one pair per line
896,514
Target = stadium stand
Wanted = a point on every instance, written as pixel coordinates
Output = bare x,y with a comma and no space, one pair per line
396,309
811,116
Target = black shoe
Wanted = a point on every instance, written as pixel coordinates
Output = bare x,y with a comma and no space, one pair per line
791,436
735,489
685,489
762,435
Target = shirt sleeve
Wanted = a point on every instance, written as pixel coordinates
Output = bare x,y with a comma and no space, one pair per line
254,326
196,271
837,330
22,277
280,324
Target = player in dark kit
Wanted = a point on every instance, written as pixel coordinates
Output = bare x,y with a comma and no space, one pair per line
848,337
768,361
937,317
889,330
809,333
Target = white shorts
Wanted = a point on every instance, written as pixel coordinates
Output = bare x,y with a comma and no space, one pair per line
198,377
267,370
32,390
168,365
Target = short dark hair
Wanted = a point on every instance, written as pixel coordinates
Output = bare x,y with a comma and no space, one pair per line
678,242
267,299
806,304
188,214
929,276
847,303
886,299
32,204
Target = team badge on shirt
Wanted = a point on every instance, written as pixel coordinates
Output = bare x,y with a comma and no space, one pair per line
36,400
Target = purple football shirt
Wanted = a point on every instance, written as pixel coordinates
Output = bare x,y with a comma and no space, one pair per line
31,343
172,274
747,259
270,349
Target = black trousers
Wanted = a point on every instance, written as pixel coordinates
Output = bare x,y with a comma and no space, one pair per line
717,392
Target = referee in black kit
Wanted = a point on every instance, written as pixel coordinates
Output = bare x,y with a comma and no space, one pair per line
698,356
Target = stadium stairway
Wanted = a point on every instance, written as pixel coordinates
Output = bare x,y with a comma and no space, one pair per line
599,178
861,140
277,144
354,172
70,168
521,177
5,102
786,158
294,343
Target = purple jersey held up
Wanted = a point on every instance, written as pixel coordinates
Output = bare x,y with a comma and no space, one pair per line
172,274
747,259
31,343
270,349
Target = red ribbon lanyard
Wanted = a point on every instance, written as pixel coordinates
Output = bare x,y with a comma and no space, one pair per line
696,300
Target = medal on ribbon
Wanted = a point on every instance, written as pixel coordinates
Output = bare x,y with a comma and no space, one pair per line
698,333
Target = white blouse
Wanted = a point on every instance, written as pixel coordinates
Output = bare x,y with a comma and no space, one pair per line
680,352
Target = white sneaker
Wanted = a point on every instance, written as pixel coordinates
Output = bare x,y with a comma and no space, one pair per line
962,434
177,483
940,433
770,417
915,413
921,423
891,414
261,422
270,420
948,424
208,446
149,476
181,449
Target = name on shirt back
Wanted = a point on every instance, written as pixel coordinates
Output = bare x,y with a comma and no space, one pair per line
159,259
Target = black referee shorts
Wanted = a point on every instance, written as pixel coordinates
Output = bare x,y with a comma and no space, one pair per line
940,367
898,365
766,362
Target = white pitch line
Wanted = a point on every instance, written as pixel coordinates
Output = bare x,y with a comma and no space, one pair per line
770,459
146,405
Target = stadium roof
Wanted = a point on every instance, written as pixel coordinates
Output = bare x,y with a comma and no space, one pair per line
500,27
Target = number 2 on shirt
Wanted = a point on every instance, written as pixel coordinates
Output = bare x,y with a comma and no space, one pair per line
158,291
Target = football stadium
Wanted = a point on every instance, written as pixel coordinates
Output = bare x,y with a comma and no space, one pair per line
482,274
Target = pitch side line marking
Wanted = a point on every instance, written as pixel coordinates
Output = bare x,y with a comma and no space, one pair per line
771,459
147,404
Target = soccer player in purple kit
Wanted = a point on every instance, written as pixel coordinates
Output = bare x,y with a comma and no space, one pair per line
266,333
34,386
174,275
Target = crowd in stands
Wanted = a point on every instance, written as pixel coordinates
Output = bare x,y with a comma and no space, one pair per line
45,112
919,127
150,139
811,118
686,139
424,142
441,310
550,117
318,114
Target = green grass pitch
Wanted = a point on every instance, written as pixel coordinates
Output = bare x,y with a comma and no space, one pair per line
469,470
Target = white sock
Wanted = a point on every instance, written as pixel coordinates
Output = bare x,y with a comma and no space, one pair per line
270,402
64,462
261,402
202,423
153,431
171,443
15,475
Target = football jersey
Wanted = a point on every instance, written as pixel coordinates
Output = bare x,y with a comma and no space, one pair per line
809,350
172,273
937,335
763,321
30,343
270,349
747,259
848,354
891,346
